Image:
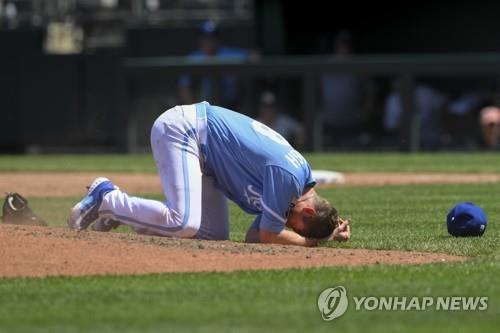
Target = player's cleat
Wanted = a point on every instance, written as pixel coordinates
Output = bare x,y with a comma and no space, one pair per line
87,211
105,224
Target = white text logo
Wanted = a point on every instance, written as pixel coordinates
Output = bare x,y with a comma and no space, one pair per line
333,302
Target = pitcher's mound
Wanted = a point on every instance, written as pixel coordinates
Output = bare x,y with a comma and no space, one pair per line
41,251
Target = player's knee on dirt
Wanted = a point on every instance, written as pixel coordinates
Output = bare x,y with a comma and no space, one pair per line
188,224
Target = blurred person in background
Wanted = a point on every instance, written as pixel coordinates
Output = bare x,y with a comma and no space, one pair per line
226,91
270,115
429,104
461,124
8,15
489,123
347,100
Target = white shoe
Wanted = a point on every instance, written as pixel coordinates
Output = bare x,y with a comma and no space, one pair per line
87,210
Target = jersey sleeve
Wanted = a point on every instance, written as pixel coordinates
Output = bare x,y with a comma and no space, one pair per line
279,190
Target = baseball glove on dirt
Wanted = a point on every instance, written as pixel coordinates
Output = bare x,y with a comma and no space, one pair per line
16,211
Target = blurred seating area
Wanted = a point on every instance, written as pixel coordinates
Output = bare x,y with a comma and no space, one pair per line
92,75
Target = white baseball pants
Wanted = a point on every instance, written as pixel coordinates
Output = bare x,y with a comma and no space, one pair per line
194,208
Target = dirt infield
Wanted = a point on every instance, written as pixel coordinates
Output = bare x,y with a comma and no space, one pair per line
41,251
73,184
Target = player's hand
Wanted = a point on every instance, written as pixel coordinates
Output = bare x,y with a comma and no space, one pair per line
342,232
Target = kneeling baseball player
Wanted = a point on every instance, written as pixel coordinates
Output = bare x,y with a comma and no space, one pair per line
204,155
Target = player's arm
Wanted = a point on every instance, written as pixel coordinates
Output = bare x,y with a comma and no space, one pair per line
257,235
286,237
341,233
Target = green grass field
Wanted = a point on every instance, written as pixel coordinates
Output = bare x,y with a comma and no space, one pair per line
396,217
345,162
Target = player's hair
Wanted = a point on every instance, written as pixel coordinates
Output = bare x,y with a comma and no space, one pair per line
323,223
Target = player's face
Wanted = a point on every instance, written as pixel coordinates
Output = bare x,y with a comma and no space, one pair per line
295,222
299,213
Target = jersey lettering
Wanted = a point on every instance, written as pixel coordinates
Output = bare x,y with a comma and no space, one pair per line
269,133
253,197
296,159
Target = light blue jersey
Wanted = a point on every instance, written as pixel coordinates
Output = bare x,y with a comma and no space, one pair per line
253,166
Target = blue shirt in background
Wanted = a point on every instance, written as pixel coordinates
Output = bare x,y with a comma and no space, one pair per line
229,84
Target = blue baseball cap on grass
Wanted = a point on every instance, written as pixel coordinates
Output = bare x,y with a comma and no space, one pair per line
466,219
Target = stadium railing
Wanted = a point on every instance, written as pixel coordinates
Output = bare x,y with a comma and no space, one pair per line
308,69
